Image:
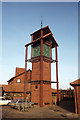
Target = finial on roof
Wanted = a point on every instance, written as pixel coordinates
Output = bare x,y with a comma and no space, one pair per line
41,21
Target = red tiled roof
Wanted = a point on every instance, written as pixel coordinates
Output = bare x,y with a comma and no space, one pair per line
75,83
53,90
13,87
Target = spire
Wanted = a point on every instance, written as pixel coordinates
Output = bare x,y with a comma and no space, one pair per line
41,21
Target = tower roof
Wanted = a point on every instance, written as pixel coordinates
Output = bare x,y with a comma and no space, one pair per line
47,36
44,28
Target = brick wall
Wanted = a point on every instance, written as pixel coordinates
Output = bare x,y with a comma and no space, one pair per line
36,71
46,71
35,93
28,85
19,70
47,95
77,99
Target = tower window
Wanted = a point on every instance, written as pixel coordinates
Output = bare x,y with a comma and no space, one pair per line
18,80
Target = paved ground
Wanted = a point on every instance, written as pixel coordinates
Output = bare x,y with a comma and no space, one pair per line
38,112
64,110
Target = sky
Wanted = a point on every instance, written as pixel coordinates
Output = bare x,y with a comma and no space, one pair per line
20,19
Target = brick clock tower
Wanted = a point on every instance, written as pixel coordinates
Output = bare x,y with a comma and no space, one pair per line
42,42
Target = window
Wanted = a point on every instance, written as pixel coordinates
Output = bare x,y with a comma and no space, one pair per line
17,95
18,80
36,86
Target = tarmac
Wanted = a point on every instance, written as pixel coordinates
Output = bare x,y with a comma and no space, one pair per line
65,111
53,111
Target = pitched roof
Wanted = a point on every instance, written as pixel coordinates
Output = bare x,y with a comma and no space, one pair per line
46,27
15,76
48,36
13,87
75,83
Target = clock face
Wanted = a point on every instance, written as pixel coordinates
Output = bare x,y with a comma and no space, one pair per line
46,51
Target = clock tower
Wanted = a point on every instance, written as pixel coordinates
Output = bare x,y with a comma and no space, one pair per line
41,57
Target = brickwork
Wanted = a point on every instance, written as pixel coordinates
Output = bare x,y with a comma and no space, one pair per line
35,93
36,71
77,99
28,85
46,71
19,70
78,92
29,75
76,85
47,95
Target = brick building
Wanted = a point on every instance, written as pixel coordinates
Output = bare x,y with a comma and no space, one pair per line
76,85
42,43
36,84
67,93
15,86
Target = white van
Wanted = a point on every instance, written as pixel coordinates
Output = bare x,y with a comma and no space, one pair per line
3,101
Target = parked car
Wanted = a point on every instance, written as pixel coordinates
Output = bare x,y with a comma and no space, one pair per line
17,103
3,101
14,102
30,104
25,105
